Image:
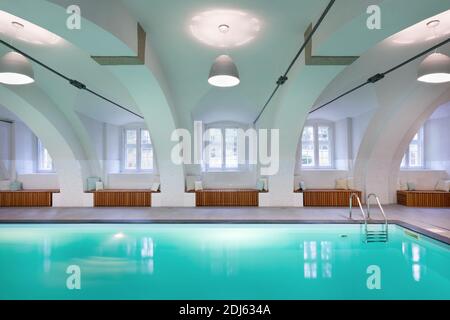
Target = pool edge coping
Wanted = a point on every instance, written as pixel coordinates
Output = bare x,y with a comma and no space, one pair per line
412,227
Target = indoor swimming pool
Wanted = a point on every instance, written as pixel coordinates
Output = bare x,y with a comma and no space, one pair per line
218,261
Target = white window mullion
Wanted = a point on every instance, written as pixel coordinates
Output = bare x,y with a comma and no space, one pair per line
316,146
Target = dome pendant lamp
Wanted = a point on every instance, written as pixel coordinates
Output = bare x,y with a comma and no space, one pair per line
15,69
435,68
224,72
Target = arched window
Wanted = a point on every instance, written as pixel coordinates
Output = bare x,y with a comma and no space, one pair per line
414,156
221,149
317,145
45,162
137,151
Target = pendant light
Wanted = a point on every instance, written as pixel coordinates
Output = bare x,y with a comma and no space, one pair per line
435,68
224,72
15,69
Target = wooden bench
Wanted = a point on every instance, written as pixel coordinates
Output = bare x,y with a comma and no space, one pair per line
27,198
227,198
329,198
424,198
122,198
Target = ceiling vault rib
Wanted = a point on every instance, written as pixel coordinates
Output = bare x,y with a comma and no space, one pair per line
379,76
127,60
282,79
311,60
77,84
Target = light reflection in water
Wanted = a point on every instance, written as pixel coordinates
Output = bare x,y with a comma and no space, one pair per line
147,254
47,252
414,254
312,260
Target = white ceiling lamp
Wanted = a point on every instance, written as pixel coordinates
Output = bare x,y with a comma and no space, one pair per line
435,68
15,69
224,72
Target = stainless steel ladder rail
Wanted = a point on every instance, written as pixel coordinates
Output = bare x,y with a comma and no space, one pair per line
370,235
360,207
381,209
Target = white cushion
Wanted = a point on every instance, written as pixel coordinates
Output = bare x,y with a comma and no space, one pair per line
190,183
350,184
442,185
266,184
403,186
155,186
302,185
341,184
99,186
198,186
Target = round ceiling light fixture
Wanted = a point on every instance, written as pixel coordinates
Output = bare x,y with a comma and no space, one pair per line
15,69
209,26
435,68
224,73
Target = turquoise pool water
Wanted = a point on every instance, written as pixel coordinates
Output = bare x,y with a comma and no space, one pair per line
217,261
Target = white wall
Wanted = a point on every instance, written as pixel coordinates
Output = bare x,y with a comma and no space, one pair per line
230,180
343,144
359,127
26,149
423,179
437,143
39,181
107,141
5,131
320,179
131,180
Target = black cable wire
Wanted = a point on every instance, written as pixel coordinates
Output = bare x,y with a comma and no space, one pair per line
75,83
377,77
6,121
282,79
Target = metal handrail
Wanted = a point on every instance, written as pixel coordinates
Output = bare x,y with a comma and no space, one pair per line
379,206
360,207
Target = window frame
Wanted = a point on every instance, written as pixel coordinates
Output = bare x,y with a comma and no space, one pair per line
405,163
40,149
138,129
331,142
223,127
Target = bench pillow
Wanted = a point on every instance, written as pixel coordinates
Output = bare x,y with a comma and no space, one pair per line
442,185
15,186
190,183
341,184
403,186
198,186
411,186
155,187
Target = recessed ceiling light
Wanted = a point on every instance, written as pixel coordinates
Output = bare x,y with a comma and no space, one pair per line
17,25
433,23
224,28
210,26
19,29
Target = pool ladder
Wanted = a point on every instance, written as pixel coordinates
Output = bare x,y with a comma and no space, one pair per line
371,235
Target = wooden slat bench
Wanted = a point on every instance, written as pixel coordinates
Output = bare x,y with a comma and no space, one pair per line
122,198
227,198
329,198
27,198
424,198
